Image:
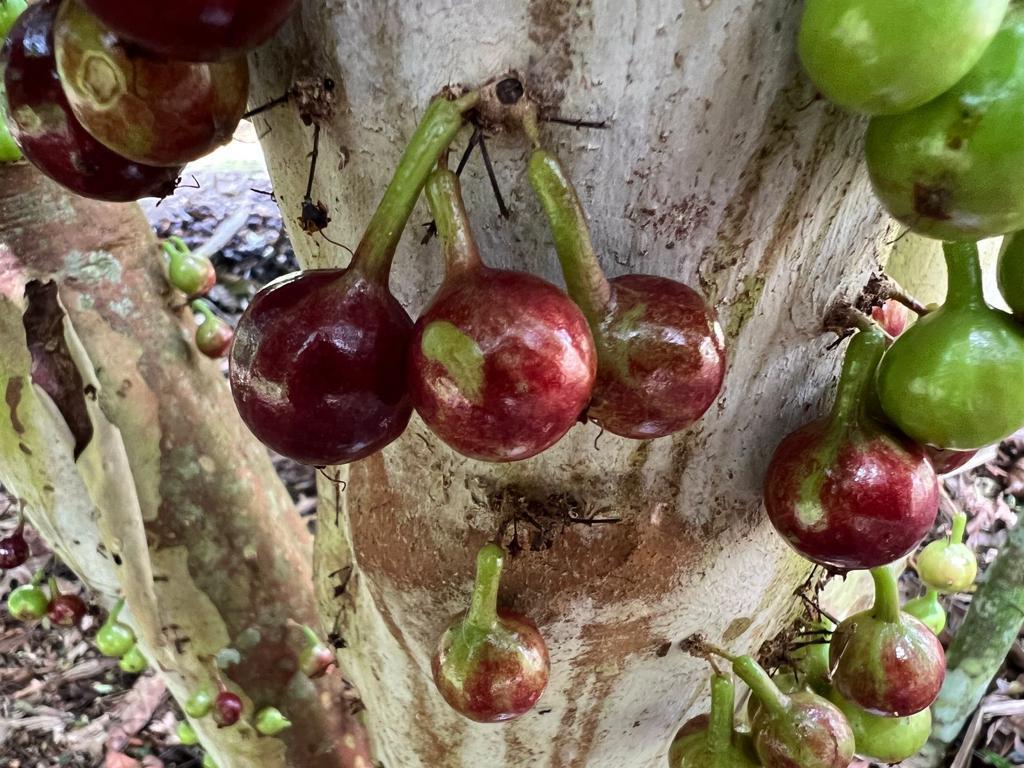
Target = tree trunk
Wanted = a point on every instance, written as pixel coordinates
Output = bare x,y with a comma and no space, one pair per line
124,447
720,168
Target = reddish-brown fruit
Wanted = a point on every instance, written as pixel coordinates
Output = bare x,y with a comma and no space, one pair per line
844,492
66,610
946,462
227,709
502,363
14,550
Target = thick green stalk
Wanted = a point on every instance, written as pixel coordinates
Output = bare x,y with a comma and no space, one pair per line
760,684
963,271
956,536
483,611
980,647
436,131
720,729
444,196
887,594
584,278
858,376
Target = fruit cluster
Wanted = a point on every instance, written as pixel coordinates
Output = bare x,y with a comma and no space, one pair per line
110,98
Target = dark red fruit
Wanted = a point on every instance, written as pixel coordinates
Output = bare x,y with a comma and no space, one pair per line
491,665
661,355
843,491
502,363
318,363
51,138
884,660
152,110
14,550
66,610
227,709
195,30
946,462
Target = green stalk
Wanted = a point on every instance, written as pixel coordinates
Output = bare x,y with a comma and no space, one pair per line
115,612
201,307
175,248
964,278
720,728
483,611
982,643
444,196
887,595
760,684
956,536
858,375
436,131
584,278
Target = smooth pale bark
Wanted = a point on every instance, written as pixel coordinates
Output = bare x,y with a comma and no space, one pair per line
720,168
171,502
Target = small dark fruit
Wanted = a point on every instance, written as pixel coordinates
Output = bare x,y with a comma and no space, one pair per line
661,354
149,109
42,123
195,30
318,363
14,549
884,660
502,363
66,610
227,709
491,665
843,491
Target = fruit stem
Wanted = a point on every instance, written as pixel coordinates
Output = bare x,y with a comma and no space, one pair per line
37,577
887,595
115,612
54,589
312,639
444,196
723,707
483,611
858,375
760,684
963,269
956,536
175,248
435,132
584,278
203,309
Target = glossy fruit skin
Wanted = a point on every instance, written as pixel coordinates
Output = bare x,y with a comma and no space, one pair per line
928,609
952,380
948,169
880,57
894,669
1010,273
14,550
531,372
813,734
318,366
27,603
195,30
948,567
885,739
227,709
214,338
190,273
41,122
66,610
947,462
150,110
508,670
133,662
662,358
689,750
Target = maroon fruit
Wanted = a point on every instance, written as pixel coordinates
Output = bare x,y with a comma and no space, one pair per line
213,336
661,356
947,462
227,709
502,363
50,136
491,665
884,660
318,363
843,491
148,109
14,549
66,610
195,30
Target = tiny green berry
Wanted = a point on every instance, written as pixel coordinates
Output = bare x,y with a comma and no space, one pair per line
199,704
208,762
133,662
27,602
270,721
114,638
187,734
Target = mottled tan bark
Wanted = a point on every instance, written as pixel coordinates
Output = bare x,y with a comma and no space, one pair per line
720,168
170,502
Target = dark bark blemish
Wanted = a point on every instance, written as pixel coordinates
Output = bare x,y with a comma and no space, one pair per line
13,398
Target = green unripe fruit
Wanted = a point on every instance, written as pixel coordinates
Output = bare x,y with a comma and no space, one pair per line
208,762
885,739
27,602
198,704
191,274
928,611
10,10
947,567
133,662
270,721
1011,273
187,734
114,638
